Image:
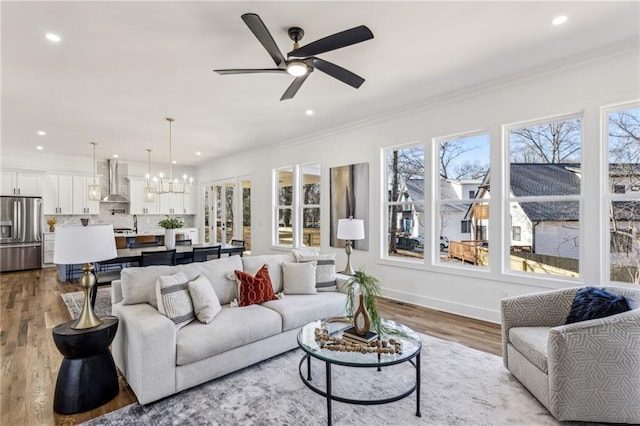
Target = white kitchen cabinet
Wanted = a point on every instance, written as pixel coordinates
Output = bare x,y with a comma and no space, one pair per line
21,183
58,194
189,202
136,194
80,197
191,234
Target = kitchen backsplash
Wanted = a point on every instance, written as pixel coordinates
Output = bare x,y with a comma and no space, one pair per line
120,220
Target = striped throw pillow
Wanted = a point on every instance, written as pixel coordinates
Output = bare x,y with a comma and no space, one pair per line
325,270
174,300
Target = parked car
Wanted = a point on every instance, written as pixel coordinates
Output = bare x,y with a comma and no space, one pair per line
444,243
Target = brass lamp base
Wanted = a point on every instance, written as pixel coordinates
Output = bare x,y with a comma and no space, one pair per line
87,318
348,270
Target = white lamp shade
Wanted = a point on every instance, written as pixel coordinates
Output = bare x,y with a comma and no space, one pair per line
350,229
84,244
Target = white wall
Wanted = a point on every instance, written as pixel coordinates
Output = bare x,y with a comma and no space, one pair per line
574,88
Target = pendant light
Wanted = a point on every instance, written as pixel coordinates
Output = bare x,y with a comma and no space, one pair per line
149,188
94,189
173,186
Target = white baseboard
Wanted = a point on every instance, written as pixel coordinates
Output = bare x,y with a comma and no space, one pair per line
445,305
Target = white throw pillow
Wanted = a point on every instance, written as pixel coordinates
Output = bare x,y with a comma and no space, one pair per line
299,278
205,302
325,272
174,300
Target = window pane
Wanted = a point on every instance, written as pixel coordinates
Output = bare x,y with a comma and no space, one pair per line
311,184
464,233
311,227
545,159
405,185
624,203
285,231
549,238
464,163
246,214
285,186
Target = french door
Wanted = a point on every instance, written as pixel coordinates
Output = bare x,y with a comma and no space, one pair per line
227,211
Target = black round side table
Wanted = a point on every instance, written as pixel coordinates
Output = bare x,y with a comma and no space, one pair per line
87,378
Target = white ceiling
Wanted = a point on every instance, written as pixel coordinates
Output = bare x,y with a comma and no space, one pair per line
122,67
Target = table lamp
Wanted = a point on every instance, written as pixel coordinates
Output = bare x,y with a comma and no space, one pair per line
84,244
350,229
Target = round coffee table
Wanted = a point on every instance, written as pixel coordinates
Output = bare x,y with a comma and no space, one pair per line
411,347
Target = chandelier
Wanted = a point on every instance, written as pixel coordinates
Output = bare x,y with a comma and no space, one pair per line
171,185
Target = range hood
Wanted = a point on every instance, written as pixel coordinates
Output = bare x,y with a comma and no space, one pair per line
113,196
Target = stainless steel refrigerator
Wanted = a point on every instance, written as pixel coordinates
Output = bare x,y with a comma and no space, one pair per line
20,233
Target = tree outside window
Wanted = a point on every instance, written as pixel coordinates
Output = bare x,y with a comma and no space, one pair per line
623,175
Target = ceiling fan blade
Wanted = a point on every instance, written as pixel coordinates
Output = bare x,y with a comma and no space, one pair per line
251,71
259,29
294,87
333,42
338,72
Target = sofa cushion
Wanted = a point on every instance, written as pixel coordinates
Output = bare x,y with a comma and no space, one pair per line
174,300
219,272
531,342
299,278
232,327
254,289
251,265
298,310
205,302
139,284
325,271
593,303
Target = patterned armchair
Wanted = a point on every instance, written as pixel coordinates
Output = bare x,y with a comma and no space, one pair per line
585,371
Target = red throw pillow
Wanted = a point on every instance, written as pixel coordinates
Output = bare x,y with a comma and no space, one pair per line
254,290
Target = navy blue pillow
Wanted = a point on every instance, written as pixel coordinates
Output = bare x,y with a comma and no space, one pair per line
593,303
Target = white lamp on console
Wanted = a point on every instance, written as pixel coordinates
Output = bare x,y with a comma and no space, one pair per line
76,244
350,229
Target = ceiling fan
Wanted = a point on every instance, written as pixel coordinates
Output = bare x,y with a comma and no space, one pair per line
301,61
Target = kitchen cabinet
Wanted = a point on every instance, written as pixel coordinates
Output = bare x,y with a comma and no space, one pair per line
47,248
191,234
58,194
176,204
23,183
80,196
136,194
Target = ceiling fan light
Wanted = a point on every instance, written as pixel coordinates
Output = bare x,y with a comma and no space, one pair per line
297,68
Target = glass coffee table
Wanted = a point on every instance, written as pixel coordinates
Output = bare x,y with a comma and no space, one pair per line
402,349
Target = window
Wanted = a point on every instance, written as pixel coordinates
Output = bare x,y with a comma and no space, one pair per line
544,196
515,233
404,202
623,206
463,198
298,206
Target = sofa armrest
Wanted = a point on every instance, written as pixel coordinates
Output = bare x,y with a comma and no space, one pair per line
595,362
546,309
145,351
341,281
116,291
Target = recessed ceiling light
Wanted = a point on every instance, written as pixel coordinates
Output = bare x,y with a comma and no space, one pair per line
198,153
174,162
39,148
115,155
559,20
53,37
42,132
309,112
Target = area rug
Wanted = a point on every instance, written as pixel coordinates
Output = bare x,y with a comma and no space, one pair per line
75,301
460,386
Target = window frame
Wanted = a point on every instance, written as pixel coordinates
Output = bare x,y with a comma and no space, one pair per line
508,199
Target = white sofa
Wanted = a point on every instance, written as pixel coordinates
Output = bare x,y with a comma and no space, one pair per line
157,360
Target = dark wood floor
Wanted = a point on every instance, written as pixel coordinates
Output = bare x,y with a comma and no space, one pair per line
32,306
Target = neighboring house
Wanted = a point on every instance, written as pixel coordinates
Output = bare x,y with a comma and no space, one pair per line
552,228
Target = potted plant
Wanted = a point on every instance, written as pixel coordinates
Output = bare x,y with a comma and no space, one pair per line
367,288
170,224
